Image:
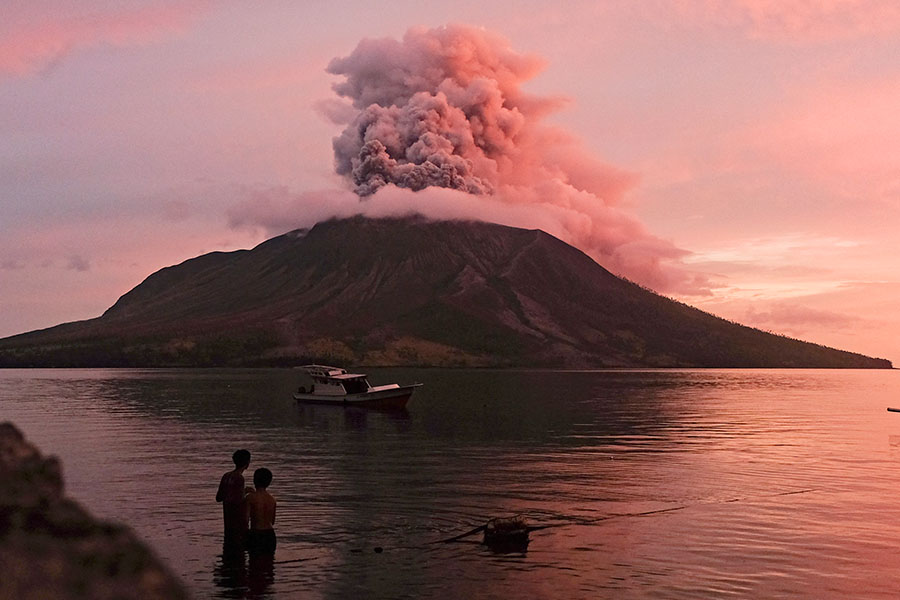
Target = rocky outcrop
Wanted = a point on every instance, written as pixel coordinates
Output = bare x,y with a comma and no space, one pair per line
50,547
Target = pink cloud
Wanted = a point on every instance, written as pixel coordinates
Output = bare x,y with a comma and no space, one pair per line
800,21
36,36
797,318
77,262
11,265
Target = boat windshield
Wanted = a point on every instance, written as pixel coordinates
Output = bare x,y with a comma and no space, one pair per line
355,386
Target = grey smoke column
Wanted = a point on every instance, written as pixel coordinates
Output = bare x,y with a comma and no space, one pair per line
439,108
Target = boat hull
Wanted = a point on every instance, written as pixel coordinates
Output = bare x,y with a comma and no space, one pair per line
395,397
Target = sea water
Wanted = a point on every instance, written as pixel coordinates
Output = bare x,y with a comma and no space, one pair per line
651,484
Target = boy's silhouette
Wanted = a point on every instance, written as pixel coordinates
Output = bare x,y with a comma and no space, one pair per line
261,506
231,495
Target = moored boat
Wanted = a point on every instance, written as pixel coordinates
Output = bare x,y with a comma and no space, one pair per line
334,385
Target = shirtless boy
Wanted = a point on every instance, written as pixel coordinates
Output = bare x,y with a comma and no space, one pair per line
231,495
261,506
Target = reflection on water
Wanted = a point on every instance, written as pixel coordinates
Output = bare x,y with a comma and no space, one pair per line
674,484
237,576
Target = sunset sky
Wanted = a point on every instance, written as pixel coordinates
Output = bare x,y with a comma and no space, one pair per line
742,156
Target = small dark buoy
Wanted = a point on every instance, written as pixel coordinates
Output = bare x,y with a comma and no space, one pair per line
506,535
378,549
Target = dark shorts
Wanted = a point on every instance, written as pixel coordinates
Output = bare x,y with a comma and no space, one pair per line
261,541
235,523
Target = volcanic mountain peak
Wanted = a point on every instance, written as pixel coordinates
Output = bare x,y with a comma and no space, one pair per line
408,291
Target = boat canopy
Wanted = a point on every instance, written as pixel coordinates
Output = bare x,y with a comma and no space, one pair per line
326,372
347,376
322,370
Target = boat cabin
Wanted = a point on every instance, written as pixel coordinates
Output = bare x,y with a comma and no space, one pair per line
334,381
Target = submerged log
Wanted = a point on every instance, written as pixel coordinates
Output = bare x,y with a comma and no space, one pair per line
50,547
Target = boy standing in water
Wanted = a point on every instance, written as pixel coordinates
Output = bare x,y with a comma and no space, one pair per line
231,495
261,506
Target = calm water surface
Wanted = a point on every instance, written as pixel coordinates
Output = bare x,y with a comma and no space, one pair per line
768,483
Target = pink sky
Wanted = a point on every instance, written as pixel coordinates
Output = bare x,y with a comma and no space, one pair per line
759,140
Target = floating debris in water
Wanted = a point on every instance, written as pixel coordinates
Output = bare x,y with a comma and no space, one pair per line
507,534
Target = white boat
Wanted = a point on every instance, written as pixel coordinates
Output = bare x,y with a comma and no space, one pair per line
333,385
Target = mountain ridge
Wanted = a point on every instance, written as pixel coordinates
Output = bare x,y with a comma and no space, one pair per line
407,291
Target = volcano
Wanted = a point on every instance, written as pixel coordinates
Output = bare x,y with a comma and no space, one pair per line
407,291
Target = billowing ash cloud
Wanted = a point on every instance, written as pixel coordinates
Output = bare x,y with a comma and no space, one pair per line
443,108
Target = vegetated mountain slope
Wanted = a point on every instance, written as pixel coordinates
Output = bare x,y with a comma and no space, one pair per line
408,291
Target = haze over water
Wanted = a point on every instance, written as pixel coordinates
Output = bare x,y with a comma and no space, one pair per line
772,483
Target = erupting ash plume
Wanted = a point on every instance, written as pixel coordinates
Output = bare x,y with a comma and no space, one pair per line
443,108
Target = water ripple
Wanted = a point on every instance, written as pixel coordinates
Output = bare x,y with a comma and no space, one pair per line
673,484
